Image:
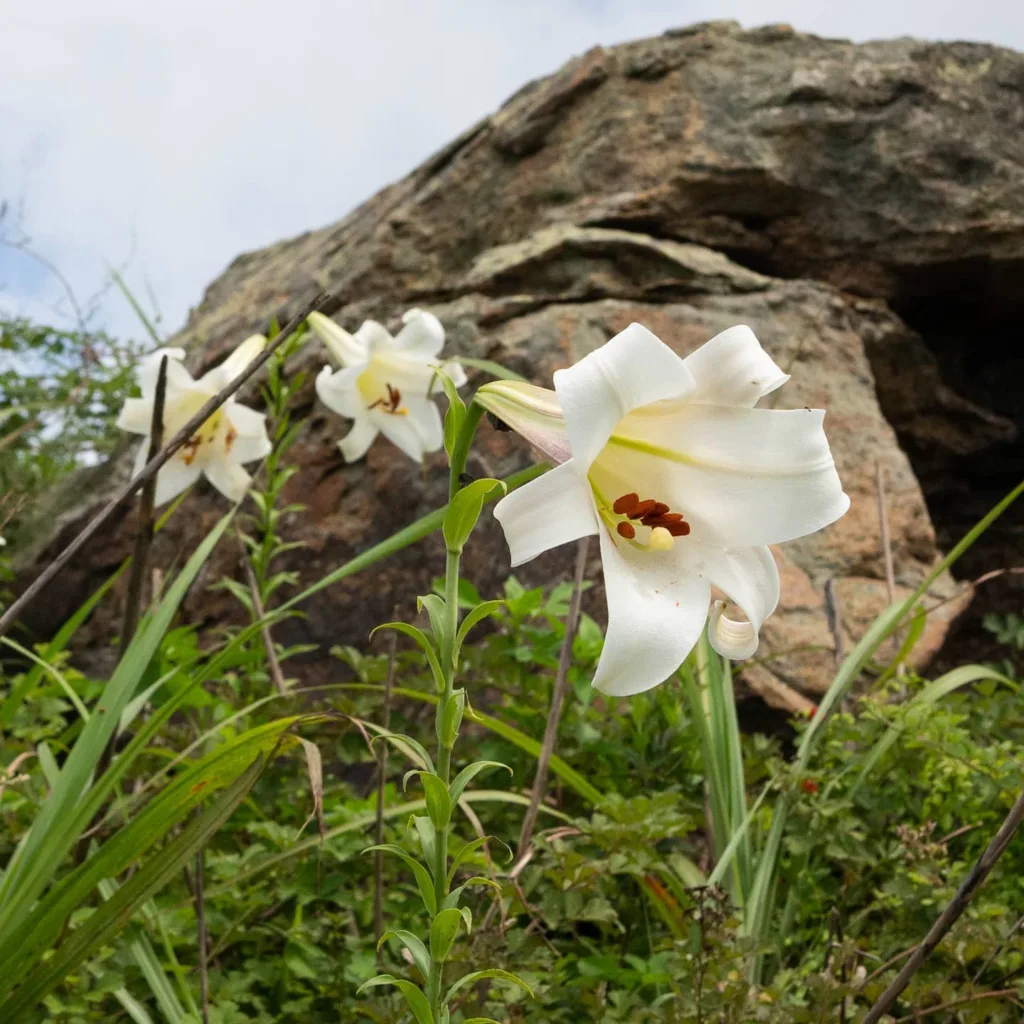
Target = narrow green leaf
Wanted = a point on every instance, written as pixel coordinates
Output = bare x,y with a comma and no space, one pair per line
465,509
426,886
439,804
498,975
55,830
452,899
434,606
428,836
477,614
413,996
491,367
467,849
470,772
417,950
456,414
451,718
423,640
412,749
112,916
443,931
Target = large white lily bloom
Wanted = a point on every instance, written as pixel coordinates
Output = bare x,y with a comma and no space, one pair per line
683,479
232,436
385,382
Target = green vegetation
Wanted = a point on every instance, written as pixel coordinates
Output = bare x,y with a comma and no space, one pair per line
680,872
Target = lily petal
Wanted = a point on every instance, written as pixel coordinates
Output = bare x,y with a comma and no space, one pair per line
750,577
345,349
655,616
742,477
421,337
174,478
532,412
221,376
339,390
733,369
551,510
408,433
373,337
250,441
425,418
136,415
229,478
148,370
355,444
455,370
632,370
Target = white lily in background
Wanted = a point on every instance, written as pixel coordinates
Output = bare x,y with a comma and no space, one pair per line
683,479
385,382
232,436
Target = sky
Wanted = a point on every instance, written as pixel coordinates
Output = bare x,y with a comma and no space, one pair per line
170,137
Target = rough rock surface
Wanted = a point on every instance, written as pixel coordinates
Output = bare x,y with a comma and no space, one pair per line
860,206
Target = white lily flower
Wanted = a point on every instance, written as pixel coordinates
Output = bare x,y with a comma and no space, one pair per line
683,479
385,382
232,436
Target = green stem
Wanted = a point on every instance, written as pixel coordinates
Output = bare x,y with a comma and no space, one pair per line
460,450
457,465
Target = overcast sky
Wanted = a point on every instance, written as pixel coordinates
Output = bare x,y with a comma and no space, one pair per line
182,133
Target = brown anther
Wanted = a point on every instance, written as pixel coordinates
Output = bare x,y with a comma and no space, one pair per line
678,529
229,440
191,449
624,505
660,508
663,520
644,508
626,530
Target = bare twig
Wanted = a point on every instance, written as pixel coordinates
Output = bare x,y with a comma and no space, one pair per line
1015,570
144,533
382,768
133,599
276,675
939,1007
835,623
320,303
1018,924
557,699
948,917
204,980
883,522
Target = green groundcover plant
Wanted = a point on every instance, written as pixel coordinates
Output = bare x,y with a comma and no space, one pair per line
197,838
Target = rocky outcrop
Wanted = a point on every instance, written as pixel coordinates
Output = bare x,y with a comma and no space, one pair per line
862,207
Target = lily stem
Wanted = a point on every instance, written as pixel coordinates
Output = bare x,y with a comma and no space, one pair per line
457,465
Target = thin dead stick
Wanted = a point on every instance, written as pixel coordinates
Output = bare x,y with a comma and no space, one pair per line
883,522
321,303
1002,945
382,768
540,780
939,1007
948,917
133,599
835,623
259,612
144,533
204,979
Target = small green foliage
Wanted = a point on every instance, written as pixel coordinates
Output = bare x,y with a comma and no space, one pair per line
465,509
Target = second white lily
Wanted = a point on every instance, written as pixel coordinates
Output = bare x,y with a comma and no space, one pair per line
232,436
385,383
685,482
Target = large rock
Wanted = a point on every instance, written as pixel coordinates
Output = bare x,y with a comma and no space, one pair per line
862,207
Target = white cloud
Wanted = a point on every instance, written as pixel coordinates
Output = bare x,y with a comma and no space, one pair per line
204,128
